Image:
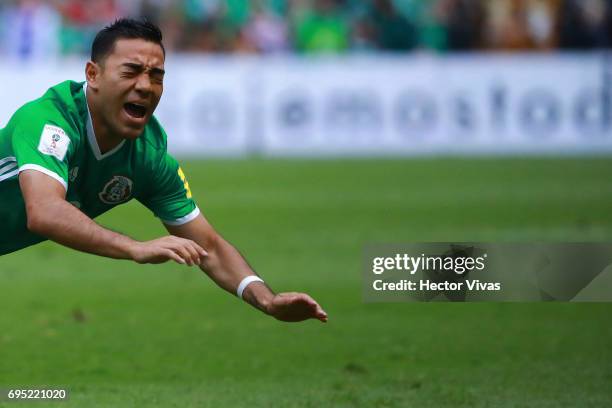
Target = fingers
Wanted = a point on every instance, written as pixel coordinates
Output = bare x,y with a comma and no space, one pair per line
170,254
195,251
310,308
180,250
200,253
183,253
315,309
188,250
321,314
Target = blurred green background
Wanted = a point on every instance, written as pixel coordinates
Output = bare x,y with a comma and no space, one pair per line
120,334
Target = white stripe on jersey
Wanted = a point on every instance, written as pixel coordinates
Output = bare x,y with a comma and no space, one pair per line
9,159
9,175
7,168
183,220
46,171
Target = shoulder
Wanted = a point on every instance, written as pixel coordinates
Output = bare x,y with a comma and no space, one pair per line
59,100
58,107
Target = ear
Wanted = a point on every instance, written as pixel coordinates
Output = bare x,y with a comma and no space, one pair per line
92,74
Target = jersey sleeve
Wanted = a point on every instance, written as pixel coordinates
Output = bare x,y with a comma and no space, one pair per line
169,195
43,146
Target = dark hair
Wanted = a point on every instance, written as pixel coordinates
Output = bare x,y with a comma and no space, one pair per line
124,28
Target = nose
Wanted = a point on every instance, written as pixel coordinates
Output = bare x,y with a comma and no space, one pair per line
143,84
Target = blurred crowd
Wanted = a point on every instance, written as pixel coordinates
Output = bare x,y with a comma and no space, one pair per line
43,28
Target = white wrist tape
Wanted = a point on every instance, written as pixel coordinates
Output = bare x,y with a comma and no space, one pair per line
245,282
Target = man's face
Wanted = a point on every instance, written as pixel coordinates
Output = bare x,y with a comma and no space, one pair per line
129,85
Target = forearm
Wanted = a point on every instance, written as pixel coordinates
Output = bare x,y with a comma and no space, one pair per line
61,222
227,268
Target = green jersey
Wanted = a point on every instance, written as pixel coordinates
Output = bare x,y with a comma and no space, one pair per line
54,135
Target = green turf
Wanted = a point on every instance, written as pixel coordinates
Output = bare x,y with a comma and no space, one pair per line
121,334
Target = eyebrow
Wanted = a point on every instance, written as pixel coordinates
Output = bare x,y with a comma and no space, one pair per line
140,67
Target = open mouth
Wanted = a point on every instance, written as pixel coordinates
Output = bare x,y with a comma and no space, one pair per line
135,110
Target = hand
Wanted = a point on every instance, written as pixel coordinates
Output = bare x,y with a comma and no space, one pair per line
183,251
295,307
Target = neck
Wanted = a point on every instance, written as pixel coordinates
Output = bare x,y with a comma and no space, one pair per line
104,136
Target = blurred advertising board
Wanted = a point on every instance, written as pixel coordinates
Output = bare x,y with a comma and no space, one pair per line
369,104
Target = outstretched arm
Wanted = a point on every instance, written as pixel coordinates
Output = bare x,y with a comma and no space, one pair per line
228,268
51,216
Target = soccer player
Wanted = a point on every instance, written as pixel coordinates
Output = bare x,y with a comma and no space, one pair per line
83,148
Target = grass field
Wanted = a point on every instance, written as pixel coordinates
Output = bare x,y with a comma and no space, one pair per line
119,334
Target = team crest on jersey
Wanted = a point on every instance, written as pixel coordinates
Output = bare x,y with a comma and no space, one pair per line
117,190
